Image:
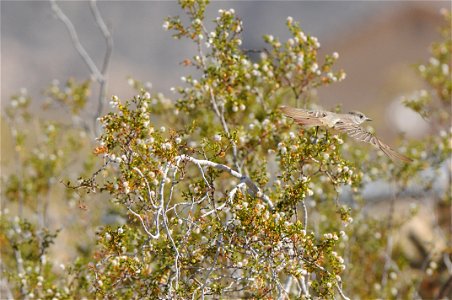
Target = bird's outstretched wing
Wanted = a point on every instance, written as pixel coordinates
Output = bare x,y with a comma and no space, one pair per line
362,135
303,116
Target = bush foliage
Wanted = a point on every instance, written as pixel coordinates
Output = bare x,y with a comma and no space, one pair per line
217,194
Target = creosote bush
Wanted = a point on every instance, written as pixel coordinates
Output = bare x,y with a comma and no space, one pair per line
222,195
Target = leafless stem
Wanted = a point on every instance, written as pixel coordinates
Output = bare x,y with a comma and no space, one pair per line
288,285
304,287
177,255
389,243
109,49
75,40
305,215
20,266
203,175
148,188
165,222
339,289
4,285
219,112
220,115
105,32
447,262
206,279
251,185
157,214
230,199
98,75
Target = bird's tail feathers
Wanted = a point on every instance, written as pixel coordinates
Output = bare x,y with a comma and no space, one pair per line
394,155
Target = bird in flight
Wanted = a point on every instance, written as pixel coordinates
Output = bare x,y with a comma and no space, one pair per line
348,123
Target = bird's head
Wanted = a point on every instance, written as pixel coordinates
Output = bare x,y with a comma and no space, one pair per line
359,117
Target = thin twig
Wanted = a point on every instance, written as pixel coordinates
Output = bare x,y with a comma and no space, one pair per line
148,188
177,255
304,287
339,289
230,199
157,214
165,222
288,285
206,279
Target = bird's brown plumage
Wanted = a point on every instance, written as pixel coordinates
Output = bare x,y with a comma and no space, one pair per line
342,123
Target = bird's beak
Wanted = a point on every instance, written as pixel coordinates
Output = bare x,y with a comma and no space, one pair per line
368,119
